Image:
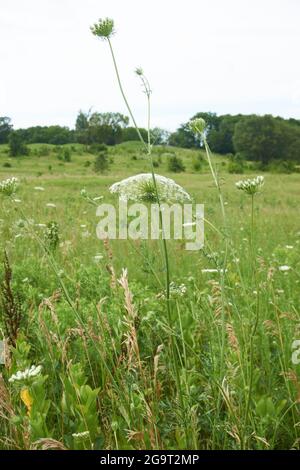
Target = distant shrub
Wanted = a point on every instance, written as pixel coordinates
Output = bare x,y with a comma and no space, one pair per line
282,166
57,149
235,167
175,164
155,163
87,163
67,156
7,165
101,163
236,163
43,151
198,162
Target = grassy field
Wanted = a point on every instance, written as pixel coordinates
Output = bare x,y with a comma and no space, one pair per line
116,372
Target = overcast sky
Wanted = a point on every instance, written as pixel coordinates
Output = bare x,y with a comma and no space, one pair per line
226,56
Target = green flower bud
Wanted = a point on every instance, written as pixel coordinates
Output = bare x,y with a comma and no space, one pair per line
139,71
197,125
104,28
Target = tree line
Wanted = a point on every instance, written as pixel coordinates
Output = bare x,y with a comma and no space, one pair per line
246,137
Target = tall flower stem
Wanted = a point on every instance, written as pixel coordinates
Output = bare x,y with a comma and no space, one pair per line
124,96
198,127
256,319
148,147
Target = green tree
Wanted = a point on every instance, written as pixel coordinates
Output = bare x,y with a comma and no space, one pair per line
5,129
129,134
114,120
82,121
220,138
183,137
259,138
159,136
17,145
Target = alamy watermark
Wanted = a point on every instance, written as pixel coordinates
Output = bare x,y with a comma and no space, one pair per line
152,222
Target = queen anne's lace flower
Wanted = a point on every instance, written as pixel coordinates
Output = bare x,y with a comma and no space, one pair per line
176,290
251,186
9,186
284,268
141,188
28,373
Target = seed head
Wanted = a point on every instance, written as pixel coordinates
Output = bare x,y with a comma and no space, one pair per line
251,186
139,71
104,29
197,125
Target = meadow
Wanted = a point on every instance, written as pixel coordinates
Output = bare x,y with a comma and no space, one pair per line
116,372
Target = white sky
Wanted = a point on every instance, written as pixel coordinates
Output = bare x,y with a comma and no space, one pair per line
226,56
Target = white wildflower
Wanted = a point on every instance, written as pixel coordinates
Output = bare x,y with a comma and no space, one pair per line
39,188
289,247
212,270
284,268
28,373
9,186
50,204
251,186
176,290
98,257
141,188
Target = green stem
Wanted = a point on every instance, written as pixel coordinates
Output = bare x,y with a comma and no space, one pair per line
148,148
124,96
254,328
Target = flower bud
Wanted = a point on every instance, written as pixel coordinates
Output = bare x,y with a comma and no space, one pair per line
197,125
104,28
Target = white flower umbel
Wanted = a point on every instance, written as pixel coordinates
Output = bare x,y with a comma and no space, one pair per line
141,188
29,373
284,268
251,186
9,186
213,270
176,290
